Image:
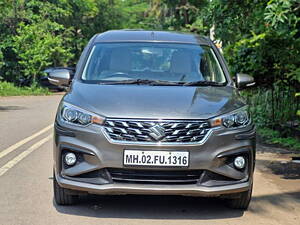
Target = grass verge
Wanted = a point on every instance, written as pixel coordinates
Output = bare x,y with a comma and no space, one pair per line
273,137
9,89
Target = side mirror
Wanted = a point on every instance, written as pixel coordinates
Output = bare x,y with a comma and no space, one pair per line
60,76
244,80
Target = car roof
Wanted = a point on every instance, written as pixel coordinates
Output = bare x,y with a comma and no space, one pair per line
151,36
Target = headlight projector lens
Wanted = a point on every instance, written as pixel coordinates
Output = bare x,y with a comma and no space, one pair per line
228,121
70,159
84,119
239,162
70,115
241,118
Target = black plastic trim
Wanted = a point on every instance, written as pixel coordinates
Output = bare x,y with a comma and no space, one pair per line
61,131
246,136
234,152
75,149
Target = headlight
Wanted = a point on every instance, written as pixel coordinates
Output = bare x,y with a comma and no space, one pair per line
235,119
75,115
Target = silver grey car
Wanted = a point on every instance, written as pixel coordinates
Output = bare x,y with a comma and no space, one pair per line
152,112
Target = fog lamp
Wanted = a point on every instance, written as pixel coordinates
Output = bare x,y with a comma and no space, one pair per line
70,159
239,162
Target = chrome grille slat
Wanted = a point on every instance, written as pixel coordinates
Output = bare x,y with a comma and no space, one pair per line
141,131
111,123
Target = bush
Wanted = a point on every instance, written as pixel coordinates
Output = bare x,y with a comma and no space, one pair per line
37,48
272,107
274,137
38,34
269,57
274,111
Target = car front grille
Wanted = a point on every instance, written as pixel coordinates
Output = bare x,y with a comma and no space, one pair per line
155,176
172,132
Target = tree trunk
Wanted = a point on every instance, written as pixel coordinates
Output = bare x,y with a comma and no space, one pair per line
185,11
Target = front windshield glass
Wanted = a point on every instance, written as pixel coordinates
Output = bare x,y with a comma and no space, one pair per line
152,61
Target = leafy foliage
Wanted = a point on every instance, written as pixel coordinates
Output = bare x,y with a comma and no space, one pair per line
269,57
261,38
37,47
234,20
272,108
36,34
271,136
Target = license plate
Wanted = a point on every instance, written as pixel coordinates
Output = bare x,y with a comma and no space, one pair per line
156,158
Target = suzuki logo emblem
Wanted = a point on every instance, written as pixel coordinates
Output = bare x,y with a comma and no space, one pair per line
157,132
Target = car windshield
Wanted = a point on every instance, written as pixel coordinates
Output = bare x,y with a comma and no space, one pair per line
165,63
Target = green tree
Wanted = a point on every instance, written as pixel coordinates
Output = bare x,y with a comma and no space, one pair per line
135,14
234,20
39,33
38,46
84,18
175,14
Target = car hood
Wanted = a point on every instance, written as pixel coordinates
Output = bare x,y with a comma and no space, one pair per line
154,102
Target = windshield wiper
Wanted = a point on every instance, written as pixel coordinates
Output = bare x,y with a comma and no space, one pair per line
204,83
143,81
162,82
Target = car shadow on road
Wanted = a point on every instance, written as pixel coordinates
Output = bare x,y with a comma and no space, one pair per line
281,201
150,207
286,170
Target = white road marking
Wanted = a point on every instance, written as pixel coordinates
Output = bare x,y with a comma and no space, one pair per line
22,155
22,142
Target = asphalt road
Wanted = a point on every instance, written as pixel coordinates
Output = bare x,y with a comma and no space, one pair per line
26,184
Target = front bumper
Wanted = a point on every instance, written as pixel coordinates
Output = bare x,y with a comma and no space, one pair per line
142,189
98,154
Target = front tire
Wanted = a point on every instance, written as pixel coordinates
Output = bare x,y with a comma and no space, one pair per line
61,196
243,200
